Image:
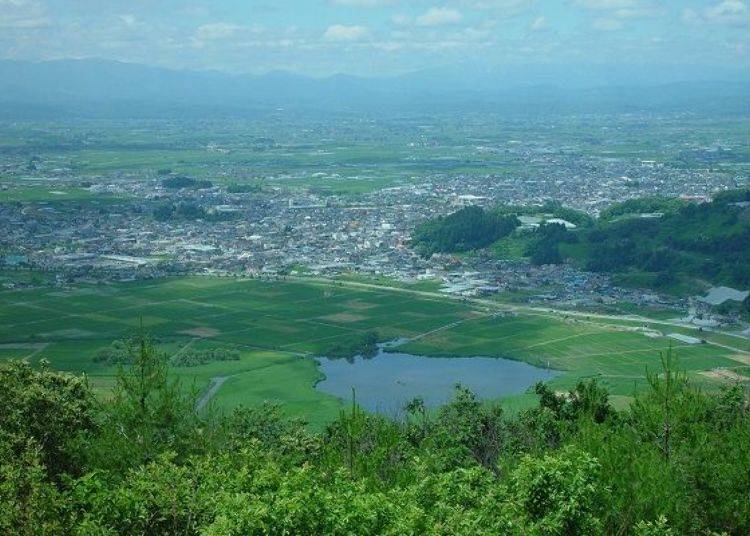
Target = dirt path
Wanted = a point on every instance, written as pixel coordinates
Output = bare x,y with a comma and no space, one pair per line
216,383
447,326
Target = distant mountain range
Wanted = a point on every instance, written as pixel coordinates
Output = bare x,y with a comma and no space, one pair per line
108,88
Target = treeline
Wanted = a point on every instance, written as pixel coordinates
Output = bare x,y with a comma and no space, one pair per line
143,461
244,188
125,352
474,228
708,241
663,240
660,241
464,230
553,209
543,246
192,357
642,205
365,346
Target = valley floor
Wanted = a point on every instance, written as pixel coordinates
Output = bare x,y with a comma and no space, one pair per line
279,325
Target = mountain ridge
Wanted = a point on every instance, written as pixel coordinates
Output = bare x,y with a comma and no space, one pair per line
92,86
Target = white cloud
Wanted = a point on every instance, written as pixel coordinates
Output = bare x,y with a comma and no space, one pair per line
399,19
23,15
539,23
513,6
607,25
606,4
128,19
217,30
729,12
438,16
690,16
635,13
362,3
613,10
221,31
342,33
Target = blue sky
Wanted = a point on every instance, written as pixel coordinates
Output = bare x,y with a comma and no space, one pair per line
384,37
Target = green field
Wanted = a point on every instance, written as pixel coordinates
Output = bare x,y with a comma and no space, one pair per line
278,325
53,194
44,193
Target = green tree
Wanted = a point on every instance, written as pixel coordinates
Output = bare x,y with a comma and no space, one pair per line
560,494
45,411
149,413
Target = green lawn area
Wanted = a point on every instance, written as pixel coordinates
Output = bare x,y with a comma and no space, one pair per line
511,247
278,325
51,194
44,193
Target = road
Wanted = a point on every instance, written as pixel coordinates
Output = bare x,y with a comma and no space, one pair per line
213,388
527,309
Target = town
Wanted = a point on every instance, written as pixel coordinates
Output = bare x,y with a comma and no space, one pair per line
150,223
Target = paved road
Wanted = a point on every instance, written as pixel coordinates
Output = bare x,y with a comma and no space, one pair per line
527,309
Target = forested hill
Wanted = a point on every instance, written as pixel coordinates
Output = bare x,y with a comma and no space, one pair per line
655,242
667,239
145,462
467,229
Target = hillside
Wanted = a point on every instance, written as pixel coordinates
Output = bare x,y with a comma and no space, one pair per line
661,243
467,229
145,462
686,241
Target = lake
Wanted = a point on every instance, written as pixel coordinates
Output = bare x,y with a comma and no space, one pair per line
387,381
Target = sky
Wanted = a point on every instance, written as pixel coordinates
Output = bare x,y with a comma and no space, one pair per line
384,37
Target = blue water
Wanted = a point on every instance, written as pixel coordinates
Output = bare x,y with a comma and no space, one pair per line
387,381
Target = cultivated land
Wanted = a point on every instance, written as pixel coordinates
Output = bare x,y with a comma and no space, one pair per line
278,325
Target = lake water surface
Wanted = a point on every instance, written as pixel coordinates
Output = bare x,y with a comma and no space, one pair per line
387,381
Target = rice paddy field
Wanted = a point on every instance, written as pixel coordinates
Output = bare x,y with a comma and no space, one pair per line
278,326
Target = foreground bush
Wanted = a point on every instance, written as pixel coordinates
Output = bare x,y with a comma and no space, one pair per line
144,462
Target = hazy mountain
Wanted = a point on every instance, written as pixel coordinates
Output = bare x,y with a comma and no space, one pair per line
101,87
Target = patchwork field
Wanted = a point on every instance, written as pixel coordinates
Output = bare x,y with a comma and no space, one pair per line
278,326
51,194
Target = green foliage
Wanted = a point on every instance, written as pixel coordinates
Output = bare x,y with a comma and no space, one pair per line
553,209
642,205
654,528
124,352
576,217
675,462
467,430
44,412
180,181
365,346
588,400
559,494
117,353
192,357
544,245
29,503
708,241
733,196
149,414
469,228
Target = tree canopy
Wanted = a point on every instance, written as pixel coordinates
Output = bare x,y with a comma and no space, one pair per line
145,461
467,229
